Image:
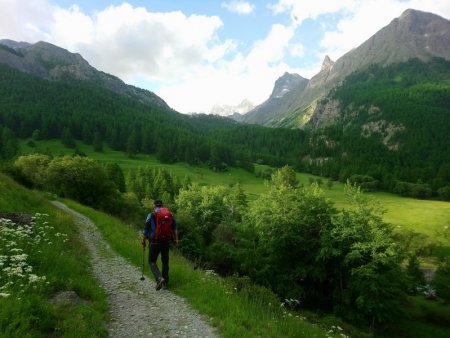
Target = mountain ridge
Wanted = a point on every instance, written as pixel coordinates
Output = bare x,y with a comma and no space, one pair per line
50,62
414,34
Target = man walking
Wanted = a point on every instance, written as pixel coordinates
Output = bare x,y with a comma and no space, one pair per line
160,229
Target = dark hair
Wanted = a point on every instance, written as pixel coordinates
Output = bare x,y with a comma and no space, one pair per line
158,203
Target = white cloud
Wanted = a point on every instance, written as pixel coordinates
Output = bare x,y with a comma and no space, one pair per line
301,10
24,20
297,49
127,41
360,19
239,7
183,54
250,76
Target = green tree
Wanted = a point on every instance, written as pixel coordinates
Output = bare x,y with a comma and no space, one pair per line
365,261
34,168
285,177
9,146
289,222
98,142
132,146
67,138
115,174
441,280
82,179
415,274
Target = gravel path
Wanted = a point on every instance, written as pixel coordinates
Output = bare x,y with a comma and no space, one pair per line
136,308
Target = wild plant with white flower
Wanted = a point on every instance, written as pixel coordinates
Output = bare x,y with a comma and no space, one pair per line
17,243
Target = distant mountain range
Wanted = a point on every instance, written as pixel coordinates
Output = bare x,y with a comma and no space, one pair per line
51,62
235,111
414,34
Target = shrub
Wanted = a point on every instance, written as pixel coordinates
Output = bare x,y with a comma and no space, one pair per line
441,281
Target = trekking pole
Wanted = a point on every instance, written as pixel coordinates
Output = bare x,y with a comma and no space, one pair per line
143,259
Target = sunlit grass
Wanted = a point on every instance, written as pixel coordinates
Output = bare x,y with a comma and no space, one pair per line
56,260
423,216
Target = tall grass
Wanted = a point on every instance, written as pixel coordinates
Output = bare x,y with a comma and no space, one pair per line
40,262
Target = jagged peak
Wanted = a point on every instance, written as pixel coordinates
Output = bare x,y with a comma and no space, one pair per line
327,63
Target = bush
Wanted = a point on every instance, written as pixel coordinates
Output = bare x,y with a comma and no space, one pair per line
34,168
367,183
441,281
81,179
415,190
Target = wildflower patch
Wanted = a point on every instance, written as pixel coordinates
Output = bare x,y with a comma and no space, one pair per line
22,235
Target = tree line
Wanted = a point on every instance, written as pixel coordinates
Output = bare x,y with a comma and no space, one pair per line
73,110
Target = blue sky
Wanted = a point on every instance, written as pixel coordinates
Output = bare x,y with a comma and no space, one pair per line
199,53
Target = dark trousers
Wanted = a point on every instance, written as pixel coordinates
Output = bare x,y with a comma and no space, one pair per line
156,249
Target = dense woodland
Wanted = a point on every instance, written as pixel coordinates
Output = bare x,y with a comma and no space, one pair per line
75,110
413,95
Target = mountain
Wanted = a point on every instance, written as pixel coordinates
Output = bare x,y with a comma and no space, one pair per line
227,110
286,89
50,62
414,34
49,93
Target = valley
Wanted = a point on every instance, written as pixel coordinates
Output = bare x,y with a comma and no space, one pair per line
423,216
324,211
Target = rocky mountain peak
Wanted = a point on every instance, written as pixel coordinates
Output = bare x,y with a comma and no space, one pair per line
227,110
327,63
414,34
285,84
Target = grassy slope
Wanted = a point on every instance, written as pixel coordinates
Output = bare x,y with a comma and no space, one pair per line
234,314
66,268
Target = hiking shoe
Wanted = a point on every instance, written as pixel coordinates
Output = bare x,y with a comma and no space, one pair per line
160,283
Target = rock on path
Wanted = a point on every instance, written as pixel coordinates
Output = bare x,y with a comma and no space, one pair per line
136,308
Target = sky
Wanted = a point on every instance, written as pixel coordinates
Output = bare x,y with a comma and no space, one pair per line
199,53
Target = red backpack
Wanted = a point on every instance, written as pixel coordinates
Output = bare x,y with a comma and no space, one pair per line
164,222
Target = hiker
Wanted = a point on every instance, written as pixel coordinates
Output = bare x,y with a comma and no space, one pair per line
160,229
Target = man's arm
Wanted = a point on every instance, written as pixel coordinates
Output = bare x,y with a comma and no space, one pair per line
175,231
146,233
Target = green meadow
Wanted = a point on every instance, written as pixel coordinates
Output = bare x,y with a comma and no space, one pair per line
52,260
427,217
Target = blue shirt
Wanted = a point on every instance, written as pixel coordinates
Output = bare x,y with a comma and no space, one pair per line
150,224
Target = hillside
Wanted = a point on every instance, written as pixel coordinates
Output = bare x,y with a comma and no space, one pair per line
400,116
51,62
71,109
414,34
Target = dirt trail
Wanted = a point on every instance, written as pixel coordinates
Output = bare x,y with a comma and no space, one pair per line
136,308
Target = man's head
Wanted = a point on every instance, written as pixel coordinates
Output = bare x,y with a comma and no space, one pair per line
158,203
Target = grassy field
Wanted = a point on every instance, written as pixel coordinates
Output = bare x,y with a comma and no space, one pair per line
37,266
426,217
